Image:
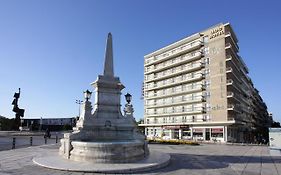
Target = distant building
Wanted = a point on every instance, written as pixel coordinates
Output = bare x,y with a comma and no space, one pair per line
198,88
51,123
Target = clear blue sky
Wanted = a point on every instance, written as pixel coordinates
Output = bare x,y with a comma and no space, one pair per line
54,49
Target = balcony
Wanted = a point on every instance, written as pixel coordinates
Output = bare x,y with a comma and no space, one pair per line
230,94
178,61
233,108
228,69
177,81
177,92
228,35
234,60
196,110
231,46
175,52
230,83
177,102
232,74
171,73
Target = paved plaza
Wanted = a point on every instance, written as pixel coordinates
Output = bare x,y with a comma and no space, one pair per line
195,160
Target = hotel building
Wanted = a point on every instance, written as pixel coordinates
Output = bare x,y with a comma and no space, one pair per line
198,88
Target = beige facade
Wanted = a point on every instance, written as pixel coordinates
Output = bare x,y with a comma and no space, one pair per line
198,88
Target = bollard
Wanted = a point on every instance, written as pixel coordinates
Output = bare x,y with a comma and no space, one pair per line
14,143
31,141
45,140
56,139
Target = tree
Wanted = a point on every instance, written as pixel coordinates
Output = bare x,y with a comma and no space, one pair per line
6,124
275,125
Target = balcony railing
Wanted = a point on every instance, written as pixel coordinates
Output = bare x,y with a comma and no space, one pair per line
171,72
174,52
230,94
170,92
230,107
229,82
177,80
228,34
176,102
176,61
195,110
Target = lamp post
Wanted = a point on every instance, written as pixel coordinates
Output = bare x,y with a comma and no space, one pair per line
128,98
87,95
128,110
79,102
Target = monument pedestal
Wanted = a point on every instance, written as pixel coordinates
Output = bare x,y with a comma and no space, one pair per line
108,152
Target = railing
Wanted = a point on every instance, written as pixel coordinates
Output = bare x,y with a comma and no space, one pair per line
175,51
230,107
178,111
173,72
230,35
229,69
173,62
229,81
230,94
176,101
174,81
170,92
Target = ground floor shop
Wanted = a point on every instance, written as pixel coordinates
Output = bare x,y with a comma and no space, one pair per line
214,133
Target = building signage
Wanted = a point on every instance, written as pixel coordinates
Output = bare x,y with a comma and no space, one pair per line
198,130
171,127
216,32
217,130
176,127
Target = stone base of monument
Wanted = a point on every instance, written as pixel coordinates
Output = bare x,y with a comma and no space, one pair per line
108,152
154,160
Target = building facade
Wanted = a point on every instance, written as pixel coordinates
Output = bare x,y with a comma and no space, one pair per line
198,88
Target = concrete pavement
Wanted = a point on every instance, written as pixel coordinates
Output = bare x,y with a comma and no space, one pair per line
196,160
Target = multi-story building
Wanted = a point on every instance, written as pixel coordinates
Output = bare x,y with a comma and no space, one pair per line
198,88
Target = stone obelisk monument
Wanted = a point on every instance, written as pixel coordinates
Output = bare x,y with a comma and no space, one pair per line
102,134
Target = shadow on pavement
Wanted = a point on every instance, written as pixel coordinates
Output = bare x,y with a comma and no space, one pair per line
190,161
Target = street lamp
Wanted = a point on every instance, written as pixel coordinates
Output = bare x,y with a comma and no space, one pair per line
128,98
79,102
87,94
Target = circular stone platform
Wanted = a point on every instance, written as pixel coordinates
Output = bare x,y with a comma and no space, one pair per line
155,160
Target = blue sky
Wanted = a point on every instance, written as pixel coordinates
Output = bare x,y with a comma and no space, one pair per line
54,49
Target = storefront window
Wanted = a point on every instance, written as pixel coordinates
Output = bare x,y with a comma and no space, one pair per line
217,132
217,135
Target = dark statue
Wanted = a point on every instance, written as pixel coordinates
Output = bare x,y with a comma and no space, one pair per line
19,112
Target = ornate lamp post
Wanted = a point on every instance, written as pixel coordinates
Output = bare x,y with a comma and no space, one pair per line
128,110
128,98
87,95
